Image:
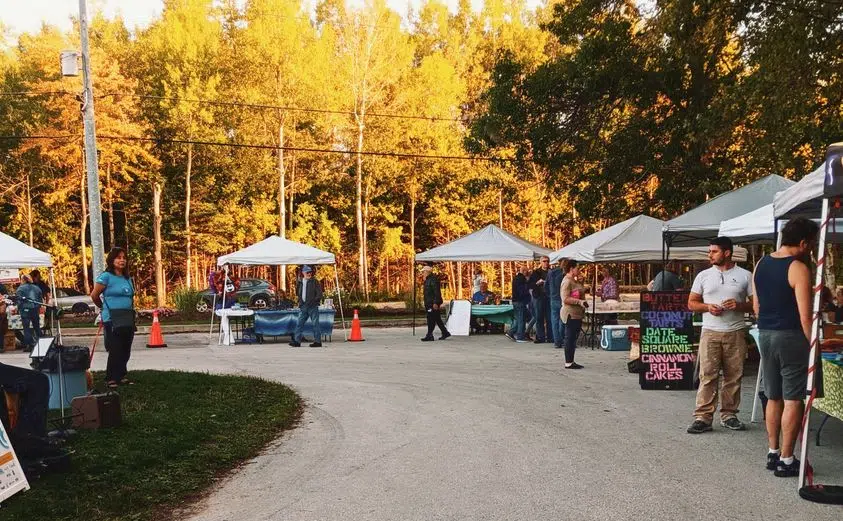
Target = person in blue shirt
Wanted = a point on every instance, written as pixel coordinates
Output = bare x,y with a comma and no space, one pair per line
114,290
29,304
484,296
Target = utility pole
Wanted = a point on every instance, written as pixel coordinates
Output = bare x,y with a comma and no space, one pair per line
91,159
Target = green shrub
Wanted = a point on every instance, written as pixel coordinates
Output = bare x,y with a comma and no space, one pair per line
185,299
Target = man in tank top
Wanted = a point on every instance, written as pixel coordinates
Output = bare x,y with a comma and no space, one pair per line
783,305
720,293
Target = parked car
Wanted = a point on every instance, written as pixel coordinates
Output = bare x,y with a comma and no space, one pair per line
69,299
256,293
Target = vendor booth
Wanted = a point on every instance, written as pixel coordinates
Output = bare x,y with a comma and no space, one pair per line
637,239
489,244
247,325
16,255
818,195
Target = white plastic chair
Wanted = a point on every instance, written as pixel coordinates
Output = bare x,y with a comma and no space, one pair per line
753,332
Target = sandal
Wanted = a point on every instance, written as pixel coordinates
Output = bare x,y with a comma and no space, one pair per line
126,381
111,385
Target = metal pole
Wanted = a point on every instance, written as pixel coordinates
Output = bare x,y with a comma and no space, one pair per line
91,160
339,297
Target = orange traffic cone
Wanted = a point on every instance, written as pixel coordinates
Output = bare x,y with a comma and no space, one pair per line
156,339
356,333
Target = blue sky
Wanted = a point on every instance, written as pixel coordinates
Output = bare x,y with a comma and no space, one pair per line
26,15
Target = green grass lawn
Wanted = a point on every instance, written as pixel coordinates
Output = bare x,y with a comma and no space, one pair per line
180,432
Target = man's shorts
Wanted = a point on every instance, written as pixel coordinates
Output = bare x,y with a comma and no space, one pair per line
784,362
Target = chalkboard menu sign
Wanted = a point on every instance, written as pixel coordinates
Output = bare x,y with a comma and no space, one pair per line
667,335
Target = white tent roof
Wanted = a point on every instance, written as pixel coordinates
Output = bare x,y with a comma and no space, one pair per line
635,240
276,251
485,245
755,227
803,198
15,254
698,226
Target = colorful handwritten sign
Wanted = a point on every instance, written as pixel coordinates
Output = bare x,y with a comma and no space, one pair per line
12,479
667,337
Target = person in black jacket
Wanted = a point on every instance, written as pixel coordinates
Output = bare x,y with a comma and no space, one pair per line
432,303
520,301
541,302
309,292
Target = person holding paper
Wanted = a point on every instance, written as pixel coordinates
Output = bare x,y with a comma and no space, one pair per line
573,311
722,293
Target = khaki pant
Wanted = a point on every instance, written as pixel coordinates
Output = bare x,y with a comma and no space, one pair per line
726,352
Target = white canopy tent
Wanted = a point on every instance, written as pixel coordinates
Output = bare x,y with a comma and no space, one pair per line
759,227
489,244
276,251
15,254
638,239
803,198
755,227
696,227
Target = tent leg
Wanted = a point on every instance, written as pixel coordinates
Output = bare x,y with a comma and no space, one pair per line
413,274
213,311
55,324
339,297
594,309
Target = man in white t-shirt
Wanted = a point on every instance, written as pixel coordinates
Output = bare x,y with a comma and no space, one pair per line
722,293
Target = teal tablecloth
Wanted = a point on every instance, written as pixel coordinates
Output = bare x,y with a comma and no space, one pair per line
501,314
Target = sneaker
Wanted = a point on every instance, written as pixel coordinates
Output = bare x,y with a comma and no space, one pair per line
294,344
772,461
445,335
783,470
574,366
509,336
558,347
733,423
699,427
428,339
316,344
537,341
521,340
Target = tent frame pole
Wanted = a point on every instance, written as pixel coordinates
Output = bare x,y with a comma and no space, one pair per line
339,297
415,284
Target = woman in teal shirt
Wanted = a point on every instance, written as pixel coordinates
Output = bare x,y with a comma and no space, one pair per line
114,290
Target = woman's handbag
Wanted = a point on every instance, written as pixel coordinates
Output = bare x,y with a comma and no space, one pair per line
122,318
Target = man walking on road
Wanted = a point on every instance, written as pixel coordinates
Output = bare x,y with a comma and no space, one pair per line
720,293
541,303
309,292
783,305
554,283
432,304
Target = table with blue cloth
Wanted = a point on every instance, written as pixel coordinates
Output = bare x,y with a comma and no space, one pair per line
283,322
497,314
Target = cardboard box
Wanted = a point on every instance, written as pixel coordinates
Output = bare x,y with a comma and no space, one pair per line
9,342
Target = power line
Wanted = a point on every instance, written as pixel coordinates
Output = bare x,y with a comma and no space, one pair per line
281,107
401,155
243,104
